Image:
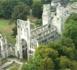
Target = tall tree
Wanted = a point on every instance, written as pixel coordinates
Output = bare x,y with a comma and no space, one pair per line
28,2
71,28
46,1
21,11
7,7
37,9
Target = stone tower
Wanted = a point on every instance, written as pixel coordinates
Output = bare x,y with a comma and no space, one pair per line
23,39
46,14
55,14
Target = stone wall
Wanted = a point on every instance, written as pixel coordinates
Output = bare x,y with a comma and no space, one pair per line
3,47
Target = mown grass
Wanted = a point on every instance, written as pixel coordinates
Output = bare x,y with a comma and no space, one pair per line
6,30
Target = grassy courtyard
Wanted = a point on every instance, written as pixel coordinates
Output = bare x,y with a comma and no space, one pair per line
6,30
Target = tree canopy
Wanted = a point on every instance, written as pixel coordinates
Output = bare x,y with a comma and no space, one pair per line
71,28
58,55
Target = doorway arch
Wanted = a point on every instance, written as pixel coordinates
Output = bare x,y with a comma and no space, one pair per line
24,49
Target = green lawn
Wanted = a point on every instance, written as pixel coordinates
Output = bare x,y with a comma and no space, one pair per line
6,30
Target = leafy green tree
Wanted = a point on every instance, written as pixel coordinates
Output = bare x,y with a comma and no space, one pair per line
47,64
65,47
46,1
14,31
73,0
45,51
7,7
37,9
65,63
71,28
39,64
28,2
58,55
74,65
43,59
1,10
38,22
21,11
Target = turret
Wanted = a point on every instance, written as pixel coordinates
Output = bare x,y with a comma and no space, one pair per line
46,13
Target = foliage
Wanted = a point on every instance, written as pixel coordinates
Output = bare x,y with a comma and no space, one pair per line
21,11
6,8
73,0
38,22
62,53
65,63
46,1
14,29
44,51
28,2
6,30
71,28
37,9
57,55
39,64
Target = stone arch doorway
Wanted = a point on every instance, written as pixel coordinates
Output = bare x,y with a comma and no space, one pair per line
24,49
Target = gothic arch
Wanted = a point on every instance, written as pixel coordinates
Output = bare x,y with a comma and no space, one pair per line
24,49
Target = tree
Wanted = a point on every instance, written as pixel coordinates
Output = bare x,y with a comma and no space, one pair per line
71,28
14,31
37,9
65,47
57,55
7,8
21,11
1,10
38,22
46,1
45,51
65,63
47,64
28,2
38,63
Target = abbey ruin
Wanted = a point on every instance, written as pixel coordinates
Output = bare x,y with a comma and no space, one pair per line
27,40
53,18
